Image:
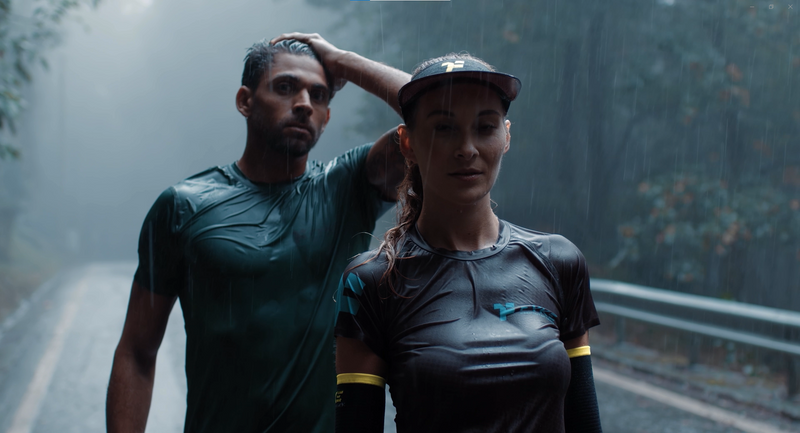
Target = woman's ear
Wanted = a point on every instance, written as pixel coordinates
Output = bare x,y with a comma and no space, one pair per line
243,100
404,136
508,136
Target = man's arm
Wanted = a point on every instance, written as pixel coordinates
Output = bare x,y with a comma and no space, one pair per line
385,163
131,386
381,80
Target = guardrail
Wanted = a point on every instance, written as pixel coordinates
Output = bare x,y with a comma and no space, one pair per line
753,325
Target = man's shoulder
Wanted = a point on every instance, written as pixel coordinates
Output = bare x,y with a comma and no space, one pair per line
348,163
204,181
196,191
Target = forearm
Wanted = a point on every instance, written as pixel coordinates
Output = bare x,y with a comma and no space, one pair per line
386,165
581,414
129,393
381,80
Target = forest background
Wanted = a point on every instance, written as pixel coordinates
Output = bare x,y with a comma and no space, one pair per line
660,137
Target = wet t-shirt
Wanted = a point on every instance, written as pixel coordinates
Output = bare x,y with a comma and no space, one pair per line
473,340
255,267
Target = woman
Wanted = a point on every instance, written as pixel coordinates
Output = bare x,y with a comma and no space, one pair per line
477,324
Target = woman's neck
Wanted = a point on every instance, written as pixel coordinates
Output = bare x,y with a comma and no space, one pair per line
459,229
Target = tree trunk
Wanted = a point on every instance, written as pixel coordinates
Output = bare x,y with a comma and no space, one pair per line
599,185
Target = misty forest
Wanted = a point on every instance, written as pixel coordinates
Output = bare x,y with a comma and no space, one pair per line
662,137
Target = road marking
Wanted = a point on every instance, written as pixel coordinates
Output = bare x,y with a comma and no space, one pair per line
684,403
29,408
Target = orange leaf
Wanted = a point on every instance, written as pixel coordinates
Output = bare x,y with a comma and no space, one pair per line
734,72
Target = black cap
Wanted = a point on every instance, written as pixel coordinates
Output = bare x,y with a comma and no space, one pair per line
455,68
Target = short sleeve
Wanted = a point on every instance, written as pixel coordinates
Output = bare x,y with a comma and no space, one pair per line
349,171
359,311
578,311
160,257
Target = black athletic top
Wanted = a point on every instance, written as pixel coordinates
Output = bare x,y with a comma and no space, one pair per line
473,340
256,266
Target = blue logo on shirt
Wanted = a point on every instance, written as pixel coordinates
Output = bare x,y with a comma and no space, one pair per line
348,304
510,309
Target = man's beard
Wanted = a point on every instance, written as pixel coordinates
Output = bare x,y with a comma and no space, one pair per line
274,138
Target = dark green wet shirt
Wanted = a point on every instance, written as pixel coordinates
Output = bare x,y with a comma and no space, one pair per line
256,267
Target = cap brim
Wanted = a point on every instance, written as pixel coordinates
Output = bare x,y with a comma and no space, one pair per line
509,85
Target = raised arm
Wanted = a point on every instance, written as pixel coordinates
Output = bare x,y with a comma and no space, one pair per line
131,386
360,381
386,165
381,80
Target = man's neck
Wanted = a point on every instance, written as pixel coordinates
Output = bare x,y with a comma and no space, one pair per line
261,164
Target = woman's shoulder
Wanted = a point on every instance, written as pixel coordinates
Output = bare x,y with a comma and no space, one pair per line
368,264
555,247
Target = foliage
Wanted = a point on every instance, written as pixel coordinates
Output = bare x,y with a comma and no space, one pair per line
692,216
623,93
27,30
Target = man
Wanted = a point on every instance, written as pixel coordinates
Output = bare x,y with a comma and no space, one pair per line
254,250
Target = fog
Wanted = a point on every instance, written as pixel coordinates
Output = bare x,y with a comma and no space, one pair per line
660,137
141,95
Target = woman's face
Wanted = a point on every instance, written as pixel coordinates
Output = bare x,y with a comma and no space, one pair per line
459,138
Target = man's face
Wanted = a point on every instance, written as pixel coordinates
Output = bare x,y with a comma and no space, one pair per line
289,108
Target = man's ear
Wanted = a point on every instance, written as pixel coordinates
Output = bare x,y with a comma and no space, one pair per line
508,136
244,100
404,135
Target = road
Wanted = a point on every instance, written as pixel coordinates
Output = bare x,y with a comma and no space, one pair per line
56,353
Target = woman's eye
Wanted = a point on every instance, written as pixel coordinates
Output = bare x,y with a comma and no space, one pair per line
442,127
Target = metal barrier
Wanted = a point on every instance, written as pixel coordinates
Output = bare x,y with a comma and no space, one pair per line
752,325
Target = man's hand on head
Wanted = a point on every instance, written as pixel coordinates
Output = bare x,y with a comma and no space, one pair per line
326,51
381,80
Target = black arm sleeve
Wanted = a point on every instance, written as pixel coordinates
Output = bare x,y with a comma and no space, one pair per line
359,408
581,414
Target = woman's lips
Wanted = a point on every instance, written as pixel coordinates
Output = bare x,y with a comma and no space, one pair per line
467,175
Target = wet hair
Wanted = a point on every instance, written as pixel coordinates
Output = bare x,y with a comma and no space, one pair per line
262,55
409,192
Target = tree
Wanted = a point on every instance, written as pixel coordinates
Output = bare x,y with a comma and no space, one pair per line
624,93
24,40
27,31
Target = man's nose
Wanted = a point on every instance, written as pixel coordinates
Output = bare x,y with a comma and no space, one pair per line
302,104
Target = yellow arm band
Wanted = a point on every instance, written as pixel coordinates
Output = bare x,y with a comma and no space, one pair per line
368,379
579,351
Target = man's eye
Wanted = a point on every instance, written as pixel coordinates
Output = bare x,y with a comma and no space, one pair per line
487,127
283,87
319,95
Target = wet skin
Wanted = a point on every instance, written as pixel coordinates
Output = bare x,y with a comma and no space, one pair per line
289,109
458,140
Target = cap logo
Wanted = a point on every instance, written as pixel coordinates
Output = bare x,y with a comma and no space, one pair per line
453,65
